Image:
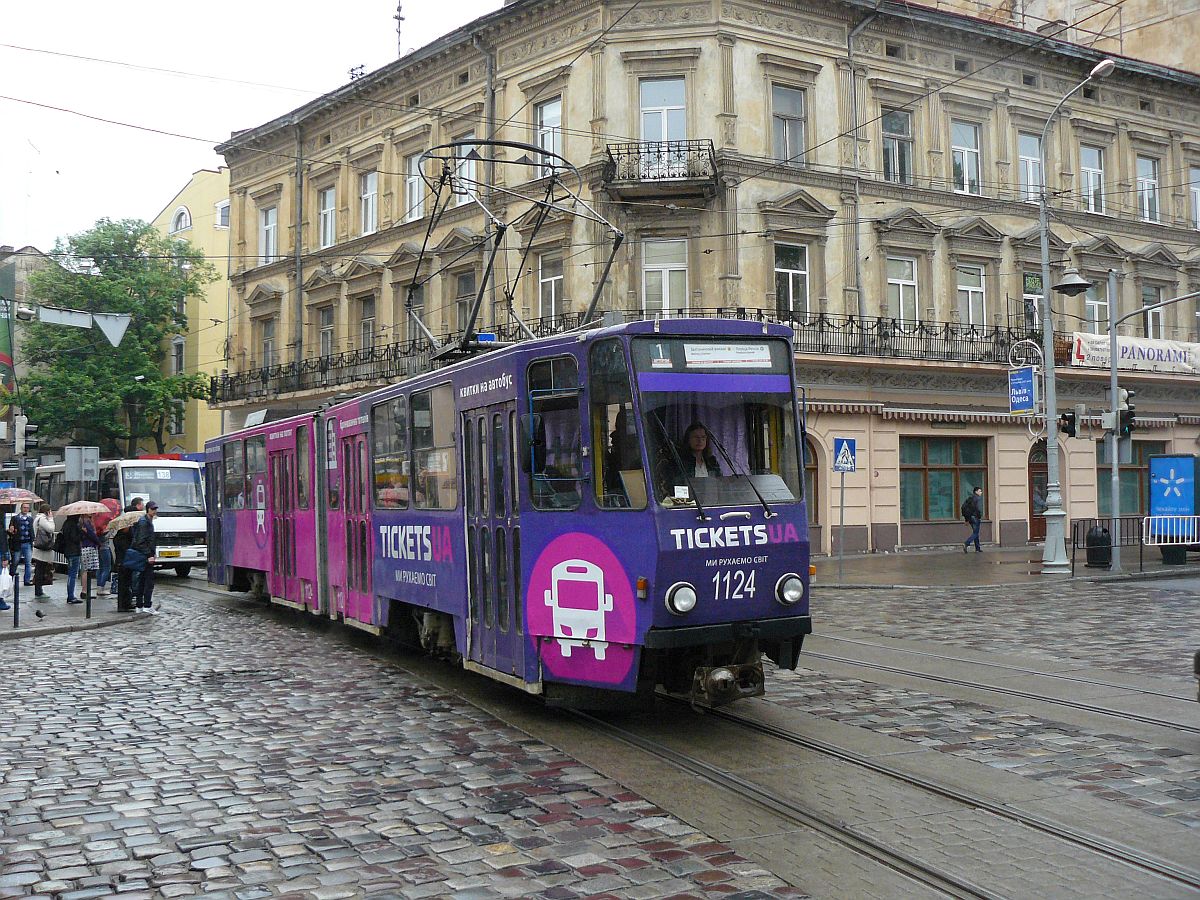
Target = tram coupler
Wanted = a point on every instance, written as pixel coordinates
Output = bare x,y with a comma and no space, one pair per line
718,685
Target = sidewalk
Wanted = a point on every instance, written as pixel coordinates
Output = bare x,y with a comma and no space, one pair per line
57,616
994,566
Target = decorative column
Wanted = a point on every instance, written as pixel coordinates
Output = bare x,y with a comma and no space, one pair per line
728,114
599,109
731,275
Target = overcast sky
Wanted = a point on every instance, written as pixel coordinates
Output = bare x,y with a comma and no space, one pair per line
61,172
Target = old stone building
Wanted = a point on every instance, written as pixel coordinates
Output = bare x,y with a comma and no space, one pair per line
866,172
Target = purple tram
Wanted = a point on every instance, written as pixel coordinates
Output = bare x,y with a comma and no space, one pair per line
583,516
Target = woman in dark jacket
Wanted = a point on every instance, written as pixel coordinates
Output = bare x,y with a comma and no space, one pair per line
72,548
121,542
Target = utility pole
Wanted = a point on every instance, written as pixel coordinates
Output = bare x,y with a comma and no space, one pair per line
399,17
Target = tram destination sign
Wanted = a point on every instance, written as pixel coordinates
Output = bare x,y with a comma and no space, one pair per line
1022,391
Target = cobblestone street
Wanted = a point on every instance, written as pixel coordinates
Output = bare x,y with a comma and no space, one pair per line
220,750
210,751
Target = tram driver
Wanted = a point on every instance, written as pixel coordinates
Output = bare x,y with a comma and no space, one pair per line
692,458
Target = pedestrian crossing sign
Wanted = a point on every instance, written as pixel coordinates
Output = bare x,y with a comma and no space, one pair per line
844,454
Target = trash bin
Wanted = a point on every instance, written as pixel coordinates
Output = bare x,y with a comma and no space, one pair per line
1099,548
1174,555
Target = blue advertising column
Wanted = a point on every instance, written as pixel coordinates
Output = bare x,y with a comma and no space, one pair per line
1172,487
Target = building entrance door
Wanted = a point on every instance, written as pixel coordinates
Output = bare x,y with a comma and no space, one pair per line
1037,492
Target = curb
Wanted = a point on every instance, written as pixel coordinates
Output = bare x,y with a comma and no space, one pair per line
17,634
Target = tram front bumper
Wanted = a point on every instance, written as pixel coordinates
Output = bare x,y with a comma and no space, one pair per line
785,629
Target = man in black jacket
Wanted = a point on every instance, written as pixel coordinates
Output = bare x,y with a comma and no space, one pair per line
972,510
143,542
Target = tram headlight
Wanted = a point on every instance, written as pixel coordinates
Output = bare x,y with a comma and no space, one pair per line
681,598
789,590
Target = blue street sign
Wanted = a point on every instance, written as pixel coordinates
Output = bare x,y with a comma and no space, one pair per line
1173,485
845,454
1022,391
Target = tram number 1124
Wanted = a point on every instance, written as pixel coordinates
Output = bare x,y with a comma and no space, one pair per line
733,584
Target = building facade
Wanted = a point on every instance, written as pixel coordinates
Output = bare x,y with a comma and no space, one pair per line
867,172
199,214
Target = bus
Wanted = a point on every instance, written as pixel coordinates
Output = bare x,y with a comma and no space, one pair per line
174,484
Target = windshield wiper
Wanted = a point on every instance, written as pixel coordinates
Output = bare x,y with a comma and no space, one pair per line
750,481
700,514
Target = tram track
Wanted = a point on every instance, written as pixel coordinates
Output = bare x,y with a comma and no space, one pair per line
1011,692
908,866
1108,849
1024,670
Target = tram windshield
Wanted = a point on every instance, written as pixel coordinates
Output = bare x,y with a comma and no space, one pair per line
719,420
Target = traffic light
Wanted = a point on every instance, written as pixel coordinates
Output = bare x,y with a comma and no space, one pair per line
1066,424
1123,398
1128,417
22,435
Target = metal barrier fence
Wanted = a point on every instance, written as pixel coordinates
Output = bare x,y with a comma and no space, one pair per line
1170,531
1126,529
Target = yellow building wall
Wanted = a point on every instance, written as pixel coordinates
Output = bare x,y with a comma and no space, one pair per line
207,315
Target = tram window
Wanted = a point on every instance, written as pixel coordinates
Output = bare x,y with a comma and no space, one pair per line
516,577
481,467
620,480
256,468
498,473
235,475
331,467
553,433
720,445
57,495
513,456
389,430
434,456
501,580
303,470
485,578
469,462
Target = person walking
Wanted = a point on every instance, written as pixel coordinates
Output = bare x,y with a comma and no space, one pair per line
43,550
143,547
24,520
71,540
972,512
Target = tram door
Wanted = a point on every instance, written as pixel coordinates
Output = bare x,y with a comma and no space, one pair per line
282,578
493,539
356,507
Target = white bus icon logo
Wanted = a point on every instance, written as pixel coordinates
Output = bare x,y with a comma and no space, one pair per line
578,601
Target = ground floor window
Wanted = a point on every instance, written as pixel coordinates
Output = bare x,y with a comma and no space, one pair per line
937,474
1134,478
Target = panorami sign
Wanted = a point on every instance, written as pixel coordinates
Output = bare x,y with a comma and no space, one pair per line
1135,354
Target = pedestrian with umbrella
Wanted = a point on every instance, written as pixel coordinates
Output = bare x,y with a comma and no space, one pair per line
74,537
119,530
100,521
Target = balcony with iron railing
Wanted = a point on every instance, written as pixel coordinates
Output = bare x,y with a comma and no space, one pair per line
680,170
817,334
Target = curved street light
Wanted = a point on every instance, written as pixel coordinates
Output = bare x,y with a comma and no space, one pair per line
1054,555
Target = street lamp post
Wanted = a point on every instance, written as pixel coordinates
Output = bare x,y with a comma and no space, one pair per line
1114,435
1054,556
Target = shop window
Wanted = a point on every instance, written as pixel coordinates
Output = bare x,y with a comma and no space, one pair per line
937,474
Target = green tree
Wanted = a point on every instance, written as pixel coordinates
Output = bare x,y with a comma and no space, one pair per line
80,387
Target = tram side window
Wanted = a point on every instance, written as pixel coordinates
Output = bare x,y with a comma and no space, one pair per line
434,456
389,430
256,471
303,468
235,475
331,469
553,433
620,480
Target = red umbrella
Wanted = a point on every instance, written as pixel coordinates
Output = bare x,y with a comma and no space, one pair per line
101,520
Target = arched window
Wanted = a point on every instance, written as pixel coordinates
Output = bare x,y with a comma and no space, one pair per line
181,220
810,481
